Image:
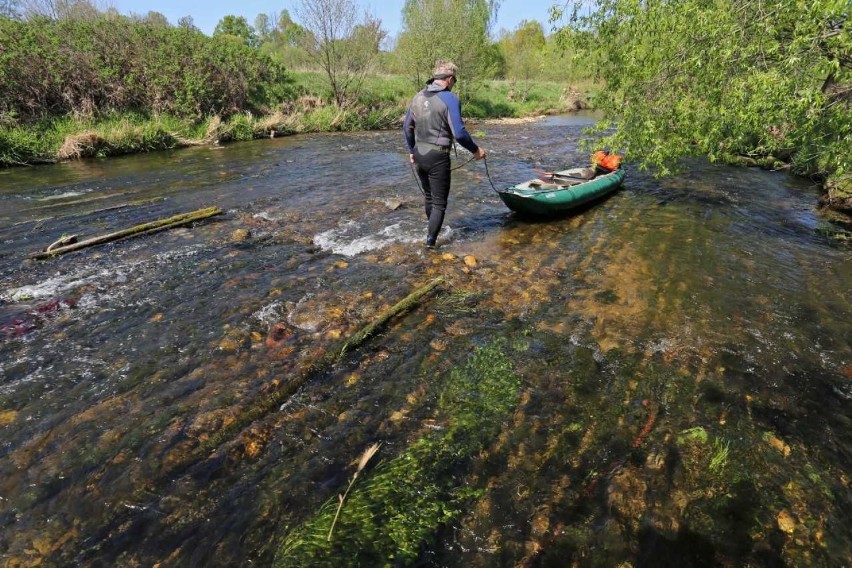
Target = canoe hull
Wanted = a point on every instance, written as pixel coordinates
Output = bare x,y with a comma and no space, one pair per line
552,202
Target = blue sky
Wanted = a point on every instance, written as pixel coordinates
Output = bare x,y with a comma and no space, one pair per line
207,13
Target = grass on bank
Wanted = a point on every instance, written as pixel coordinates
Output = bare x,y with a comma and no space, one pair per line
381,105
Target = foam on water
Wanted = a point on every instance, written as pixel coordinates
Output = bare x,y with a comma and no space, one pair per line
269,314
62,195
52,287
349,240
61,283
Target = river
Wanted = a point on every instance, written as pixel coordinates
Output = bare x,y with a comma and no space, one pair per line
663,378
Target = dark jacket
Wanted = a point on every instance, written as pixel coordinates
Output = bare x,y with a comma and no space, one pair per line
434,116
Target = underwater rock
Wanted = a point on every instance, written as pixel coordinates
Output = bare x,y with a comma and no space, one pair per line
233,340
240,235
470,261
626,495
786,522
779,445
279,333
393,203
7,417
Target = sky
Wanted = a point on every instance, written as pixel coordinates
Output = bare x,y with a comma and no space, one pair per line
207,13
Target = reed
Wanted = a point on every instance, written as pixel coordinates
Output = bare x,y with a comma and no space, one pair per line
362,463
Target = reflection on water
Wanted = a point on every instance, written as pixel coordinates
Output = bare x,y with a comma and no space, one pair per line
674,385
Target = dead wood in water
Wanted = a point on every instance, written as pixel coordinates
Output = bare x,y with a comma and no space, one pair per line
383,317
214,446
134,203
136,231
267,403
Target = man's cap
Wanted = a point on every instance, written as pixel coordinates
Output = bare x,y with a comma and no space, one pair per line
444,70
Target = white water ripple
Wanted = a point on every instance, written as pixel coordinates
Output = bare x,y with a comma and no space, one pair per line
349,238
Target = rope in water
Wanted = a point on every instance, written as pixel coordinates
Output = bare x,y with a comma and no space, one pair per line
487,173
485,159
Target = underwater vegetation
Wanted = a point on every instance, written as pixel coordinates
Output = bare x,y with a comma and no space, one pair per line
403,502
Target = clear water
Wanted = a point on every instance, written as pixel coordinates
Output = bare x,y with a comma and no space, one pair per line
684,350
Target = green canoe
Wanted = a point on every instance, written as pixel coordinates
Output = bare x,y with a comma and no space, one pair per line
558,194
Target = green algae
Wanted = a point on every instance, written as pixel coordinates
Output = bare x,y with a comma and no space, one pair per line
698,435
404,501
719,459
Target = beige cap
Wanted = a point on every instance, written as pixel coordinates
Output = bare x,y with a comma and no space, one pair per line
443,69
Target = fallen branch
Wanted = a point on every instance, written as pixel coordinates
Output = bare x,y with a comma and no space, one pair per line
138,230
119,206
64,241
267,404
257,409
369,330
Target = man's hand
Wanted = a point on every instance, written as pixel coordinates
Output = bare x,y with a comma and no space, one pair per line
411,158
479,154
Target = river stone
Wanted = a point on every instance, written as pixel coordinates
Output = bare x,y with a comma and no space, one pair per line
626,495
229,344
393,203
240,235
470,261
786,522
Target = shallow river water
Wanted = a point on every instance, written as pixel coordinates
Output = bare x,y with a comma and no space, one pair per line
662,379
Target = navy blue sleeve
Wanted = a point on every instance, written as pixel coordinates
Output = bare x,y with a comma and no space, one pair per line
456,123
408,130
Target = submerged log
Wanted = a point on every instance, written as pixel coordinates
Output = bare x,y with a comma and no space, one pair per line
136,231
266,404
74,202
383,317
64,241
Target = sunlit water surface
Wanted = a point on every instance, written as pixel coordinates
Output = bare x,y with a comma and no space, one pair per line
682,350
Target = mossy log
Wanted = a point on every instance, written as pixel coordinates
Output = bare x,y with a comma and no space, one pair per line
136,231
383,317
839,193
765,162
266,404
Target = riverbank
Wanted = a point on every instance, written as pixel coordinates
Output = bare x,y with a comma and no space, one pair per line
381,106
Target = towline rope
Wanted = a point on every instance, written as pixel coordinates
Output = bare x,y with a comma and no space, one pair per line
487,173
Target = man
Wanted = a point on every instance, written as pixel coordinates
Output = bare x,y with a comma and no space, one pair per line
431,124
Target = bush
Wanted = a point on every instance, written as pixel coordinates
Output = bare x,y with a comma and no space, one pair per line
90,67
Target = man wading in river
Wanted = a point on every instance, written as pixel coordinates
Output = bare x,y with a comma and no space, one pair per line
431,124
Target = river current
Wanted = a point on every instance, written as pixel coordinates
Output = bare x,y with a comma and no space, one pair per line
661,379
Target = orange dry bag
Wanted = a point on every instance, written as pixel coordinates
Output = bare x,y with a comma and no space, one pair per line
606,161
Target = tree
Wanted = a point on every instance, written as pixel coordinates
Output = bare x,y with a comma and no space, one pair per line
522,50
456,30
156,19
61,9
343,45
9,8
764,80
263,27
188,23
236,26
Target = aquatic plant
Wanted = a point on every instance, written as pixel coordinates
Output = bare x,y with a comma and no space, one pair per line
404,501
697,434
720,456
362,463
